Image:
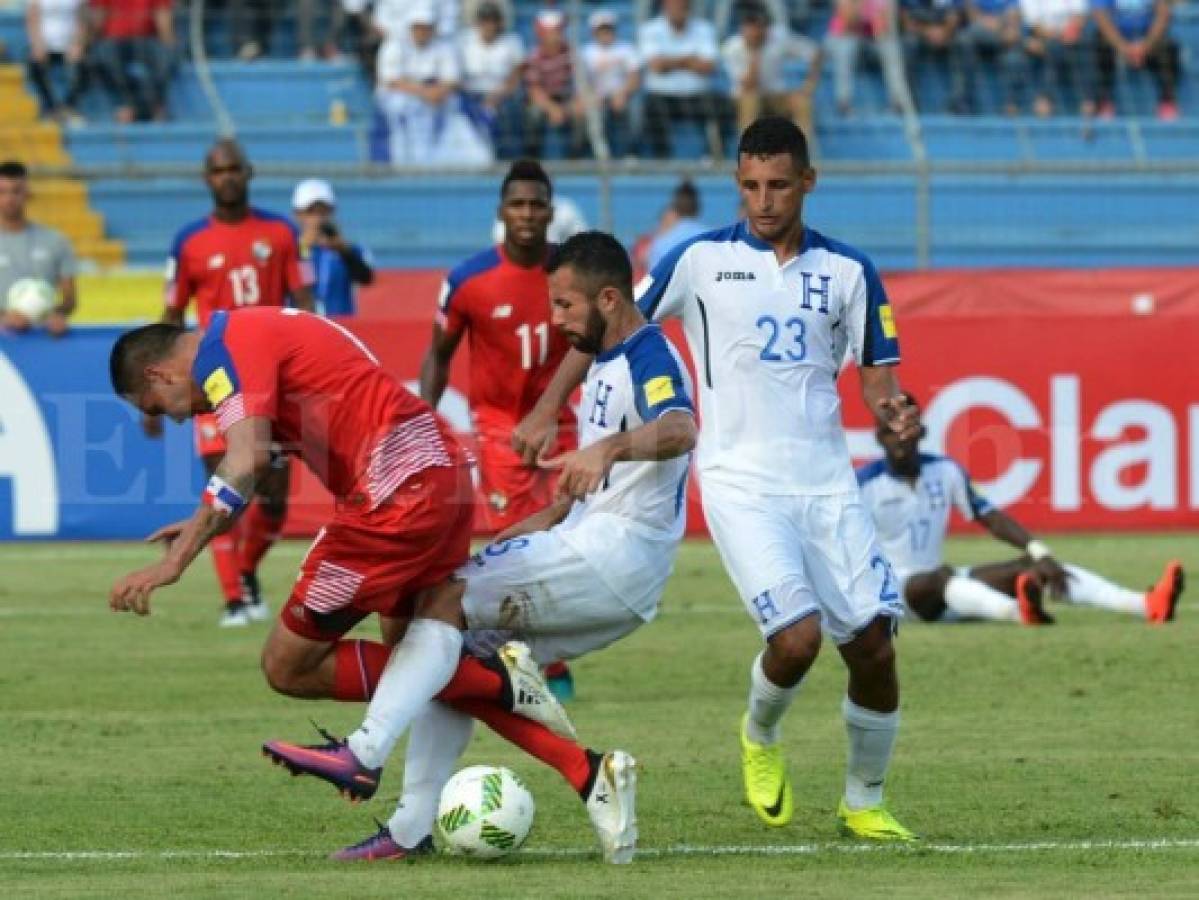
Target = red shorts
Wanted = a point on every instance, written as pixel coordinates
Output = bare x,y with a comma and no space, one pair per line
209,440
376,561
510,491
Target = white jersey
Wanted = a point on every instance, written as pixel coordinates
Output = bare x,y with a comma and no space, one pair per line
768,341
912,521
629,530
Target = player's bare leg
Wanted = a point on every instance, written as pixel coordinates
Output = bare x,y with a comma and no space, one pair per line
1015,579
299,666
871,711
943,595
775,676
398,684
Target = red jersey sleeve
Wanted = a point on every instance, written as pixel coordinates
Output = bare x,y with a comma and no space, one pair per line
453,307
238,370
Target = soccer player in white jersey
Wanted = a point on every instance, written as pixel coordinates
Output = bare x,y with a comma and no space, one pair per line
588,569
769,308
910,495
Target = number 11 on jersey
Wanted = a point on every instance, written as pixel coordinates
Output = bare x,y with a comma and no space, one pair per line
526,334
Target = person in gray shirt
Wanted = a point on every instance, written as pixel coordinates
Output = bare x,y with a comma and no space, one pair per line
29,250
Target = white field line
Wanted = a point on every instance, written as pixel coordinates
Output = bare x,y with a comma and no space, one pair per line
677,850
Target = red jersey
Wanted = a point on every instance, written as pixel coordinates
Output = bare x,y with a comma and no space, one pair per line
514,351
226,265
130,18
328,400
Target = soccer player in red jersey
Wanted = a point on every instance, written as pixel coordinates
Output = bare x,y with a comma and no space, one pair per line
236,256
402,526
500,298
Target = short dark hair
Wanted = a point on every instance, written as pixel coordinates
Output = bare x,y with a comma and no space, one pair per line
11,168
772,135
598,259
136,349
227,145
526,170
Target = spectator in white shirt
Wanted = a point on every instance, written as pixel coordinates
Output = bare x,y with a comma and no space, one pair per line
57,37
492,64
679,53
613,76
755,60
417,90
1056,42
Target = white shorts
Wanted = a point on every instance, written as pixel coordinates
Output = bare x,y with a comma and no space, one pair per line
792,556
538,590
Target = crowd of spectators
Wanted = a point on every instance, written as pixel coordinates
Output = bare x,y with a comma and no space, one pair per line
448,71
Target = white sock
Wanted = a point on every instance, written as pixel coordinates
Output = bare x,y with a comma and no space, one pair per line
969,598
767,703
871,740
438,737
420,666
1088,589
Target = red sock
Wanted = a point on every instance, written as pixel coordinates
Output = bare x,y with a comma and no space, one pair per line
473,681
225,560
260,530
358,666
568,758
556,669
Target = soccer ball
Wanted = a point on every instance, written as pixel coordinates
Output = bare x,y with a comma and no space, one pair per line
485,812
34,298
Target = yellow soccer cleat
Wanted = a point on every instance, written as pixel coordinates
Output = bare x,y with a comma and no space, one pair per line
767,786
873,823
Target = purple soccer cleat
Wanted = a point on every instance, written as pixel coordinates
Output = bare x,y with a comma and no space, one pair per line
333,762
380,845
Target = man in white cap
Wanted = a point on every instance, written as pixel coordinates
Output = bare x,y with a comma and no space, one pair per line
418,77
337,265
613,77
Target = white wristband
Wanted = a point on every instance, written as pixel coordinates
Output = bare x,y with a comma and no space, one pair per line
1037,550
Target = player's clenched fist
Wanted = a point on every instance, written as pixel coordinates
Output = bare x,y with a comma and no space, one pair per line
582,472
535,434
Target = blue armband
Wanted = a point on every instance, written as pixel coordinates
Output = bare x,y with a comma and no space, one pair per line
222,497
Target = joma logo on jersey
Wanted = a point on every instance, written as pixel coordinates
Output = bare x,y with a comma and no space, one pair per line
736,276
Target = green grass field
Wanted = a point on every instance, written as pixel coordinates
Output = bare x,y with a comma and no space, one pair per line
1051,762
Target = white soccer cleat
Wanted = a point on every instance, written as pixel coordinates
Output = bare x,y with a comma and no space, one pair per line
234,617
258,612
531,696
612,806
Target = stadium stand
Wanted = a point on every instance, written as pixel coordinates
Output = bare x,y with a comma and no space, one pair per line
999,190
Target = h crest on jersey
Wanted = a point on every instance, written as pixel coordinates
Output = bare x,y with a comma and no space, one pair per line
815,290
599,404
261,250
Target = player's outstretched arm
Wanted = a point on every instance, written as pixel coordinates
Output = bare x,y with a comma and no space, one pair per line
435,368
226,496
542,520
536,432
883,397
1007,529
583,472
